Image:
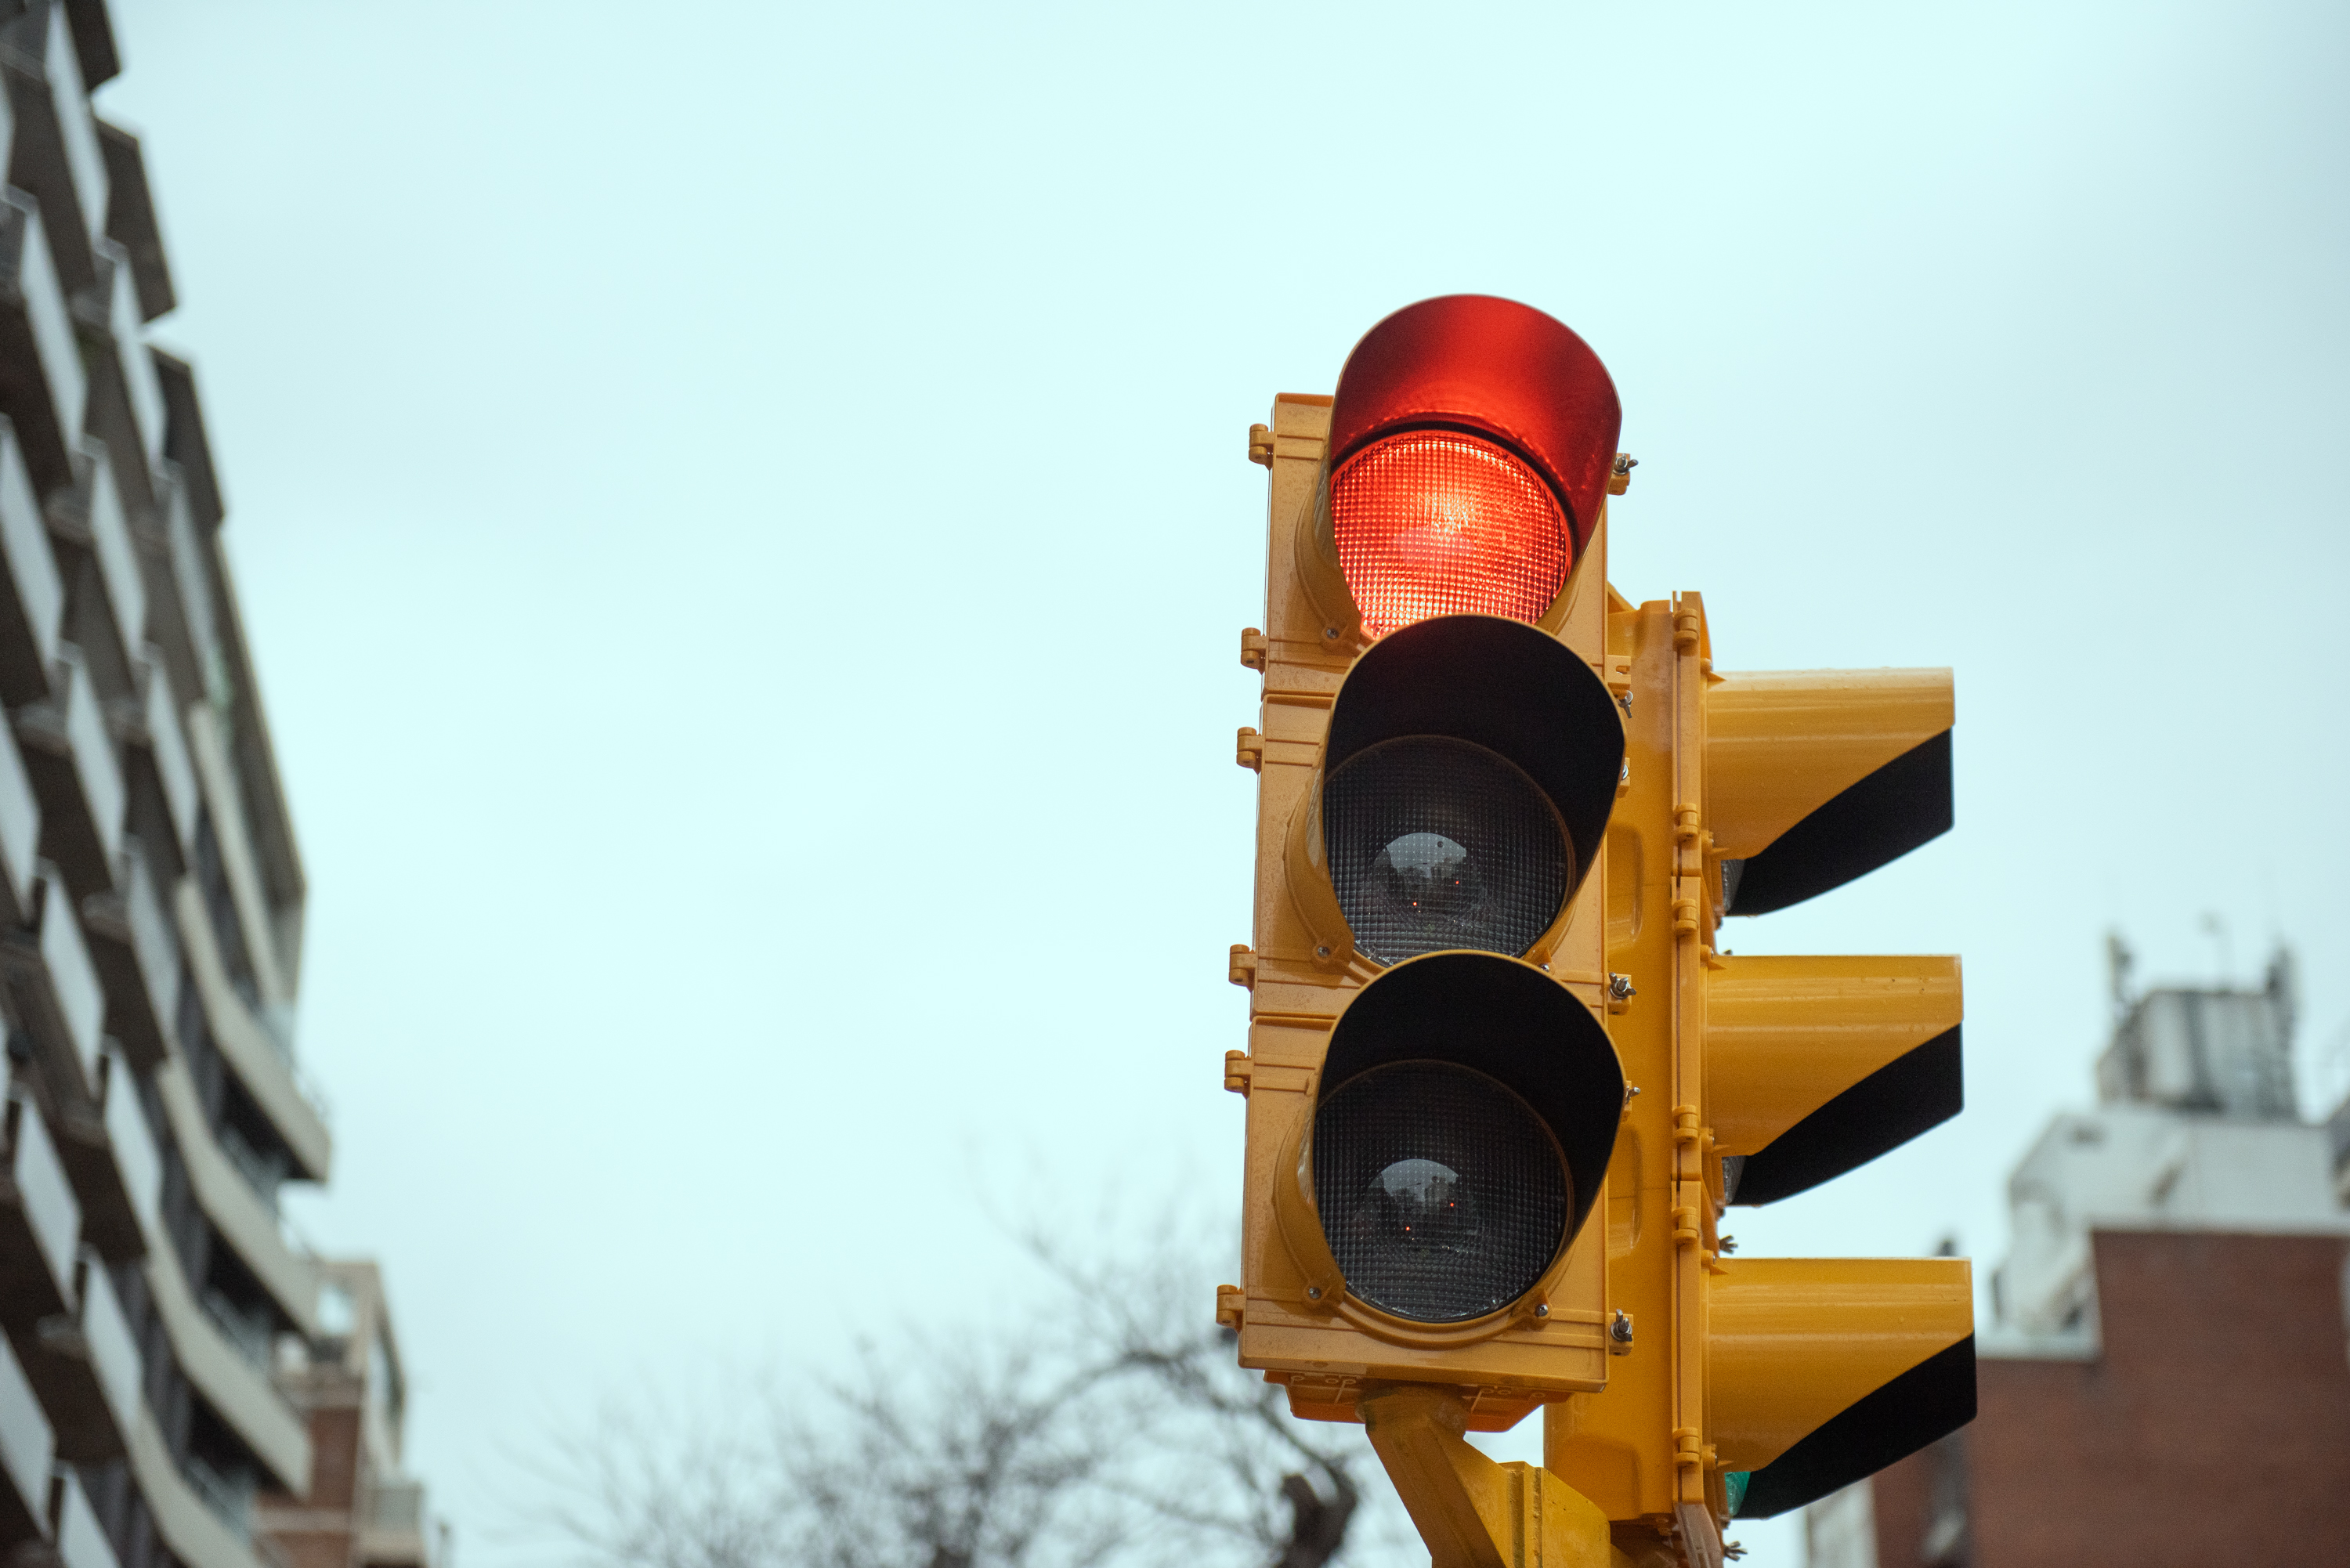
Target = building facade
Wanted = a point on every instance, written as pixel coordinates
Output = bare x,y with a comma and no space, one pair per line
361,1510
2166,1377
161,1331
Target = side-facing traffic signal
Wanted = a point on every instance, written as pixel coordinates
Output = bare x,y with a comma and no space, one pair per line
1781,1379
1502,813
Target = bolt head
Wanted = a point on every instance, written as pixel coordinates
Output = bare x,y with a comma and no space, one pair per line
1313,1292
1542,1309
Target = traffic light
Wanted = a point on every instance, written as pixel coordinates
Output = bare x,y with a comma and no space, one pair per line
1503,812
1781,1380
1432,1097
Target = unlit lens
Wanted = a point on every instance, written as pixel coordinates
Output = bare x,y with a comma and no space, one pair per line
1435,844
1442,1195
1432,523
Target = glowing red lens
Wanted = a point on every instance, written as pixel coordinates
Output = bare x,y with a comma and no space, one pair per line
1434,522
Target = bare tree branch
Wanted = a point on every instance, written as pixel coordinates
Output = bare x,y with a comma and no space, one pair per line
1128,1435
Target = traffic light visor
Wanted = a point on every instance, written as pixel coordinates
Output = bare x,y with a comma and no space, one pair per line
1471,440
1466,1112
1470,769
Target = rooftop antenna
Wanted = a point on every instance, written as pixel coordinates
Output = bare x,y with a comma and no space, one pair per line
2333,1071
2119,960
2216,928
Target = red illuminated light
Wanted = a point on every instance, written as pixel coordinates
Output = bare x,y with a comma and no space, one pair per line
1471,439
1432,522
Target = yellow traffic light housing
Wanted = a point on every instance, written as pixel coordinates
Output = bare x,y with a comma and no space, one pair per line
1432,1096
1502,815
1817,1065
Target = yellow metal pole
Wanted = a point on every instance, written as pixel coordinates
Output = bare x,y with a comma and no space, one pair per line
1471,1511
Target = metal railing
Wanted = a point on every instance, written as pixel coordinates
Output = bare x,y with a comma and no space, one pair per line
73,978
51,1210
252,1335
113,1349
231,1500
260,1173
81,1540
133,1142
30,284
27,1444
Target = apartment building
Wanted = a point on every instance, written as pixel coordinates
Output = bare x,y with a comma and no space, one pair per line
162,1333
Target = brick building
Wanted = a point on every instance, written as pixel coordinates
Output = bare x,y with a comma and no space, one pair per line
361,1510
2167,1379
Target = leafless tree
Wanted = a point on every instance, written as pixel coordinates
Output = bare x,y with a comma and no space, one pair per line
920,1457
1224,1461
1124,1434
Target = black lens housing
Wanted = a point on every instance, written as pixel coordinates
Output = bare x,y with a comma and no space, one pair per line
1500,1020
1443,1197
1501,685
1435,844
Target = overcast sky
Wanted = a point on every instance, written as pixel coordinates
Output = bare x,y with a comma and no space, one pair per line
742,519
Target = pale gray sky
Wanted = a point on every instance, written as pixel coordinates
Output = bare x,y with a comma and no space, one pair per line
742,516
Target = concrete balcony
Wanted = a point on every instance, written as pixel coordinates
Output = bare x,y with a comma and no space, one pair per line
27,1452
194,1530
86,1366
116,1169
40,1220
392,1525
56,155
246,1044
136,955
90,517
138,1161
33,600
131,219
243,1219
126,381
20,836
213,745
59,1002
156,755
42,387
80,1539
186,620
217,1353
102,1138
69,753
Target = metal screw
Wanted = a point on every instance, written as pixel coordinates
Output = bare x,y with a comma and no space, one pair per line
1620,1331
1313,1292
1542,1309
1625,776
1330,634
1623,701
1321,952
1619,986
